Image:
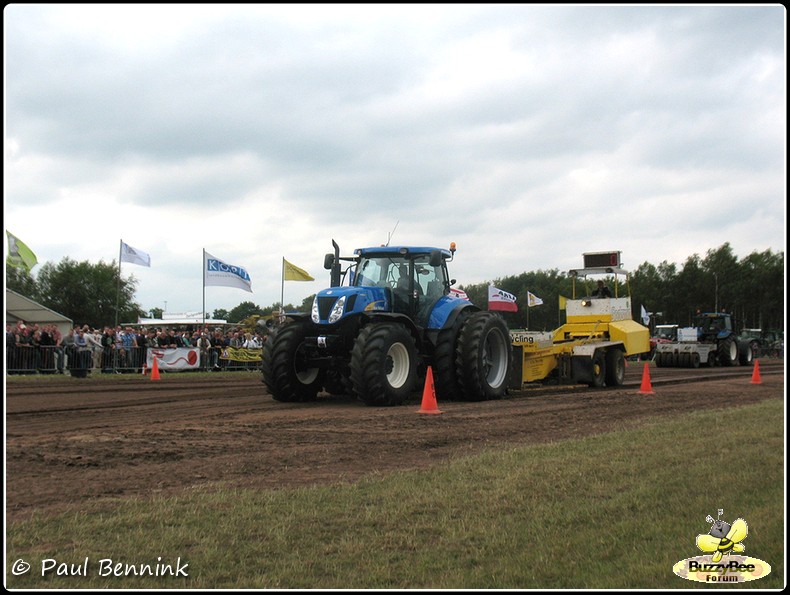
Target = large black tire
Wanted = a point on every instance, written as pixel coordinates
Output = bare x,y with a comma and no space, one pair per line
445,373
745,353
727,352
598,369
285,375
384,364
483,357
615,367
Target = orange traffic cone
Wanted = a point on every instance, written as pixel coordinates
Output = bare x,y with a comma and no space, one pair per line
429,404
155,370
756,374
646,388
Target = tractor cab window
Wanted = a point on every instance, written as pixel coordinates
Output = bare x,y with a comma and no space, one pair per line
372,272
431,280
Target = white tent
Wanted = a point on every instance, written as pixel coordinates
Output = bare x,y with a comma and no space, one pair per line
168,321
18,307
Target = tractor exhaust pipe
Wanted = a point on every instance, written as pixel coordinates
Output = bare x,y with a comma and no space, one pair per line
333,264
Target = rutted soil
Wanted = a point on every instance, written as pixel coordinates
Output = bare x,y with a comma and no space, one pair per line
71,443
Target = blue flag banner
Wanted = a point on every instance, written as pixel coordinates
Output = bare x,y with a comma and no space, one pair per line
217,272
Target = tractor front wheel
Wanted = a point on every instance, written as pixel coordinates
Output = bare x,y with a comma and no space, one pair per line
384,364
285,371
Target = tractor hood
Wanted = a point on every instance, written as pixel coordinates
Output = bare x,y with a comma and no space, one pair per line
331,305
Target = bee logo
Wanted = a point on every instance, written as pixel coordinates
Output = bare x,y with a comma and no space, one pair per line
723,537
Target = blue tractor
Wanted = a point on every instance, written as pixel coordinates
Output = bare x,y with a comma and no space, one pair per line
375,336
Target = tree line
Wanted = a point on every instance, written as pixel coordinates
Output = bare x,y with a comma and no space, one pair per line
752,289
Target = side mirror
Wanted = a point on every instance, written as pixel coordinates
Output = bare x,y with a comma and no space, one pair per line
329,260
436,259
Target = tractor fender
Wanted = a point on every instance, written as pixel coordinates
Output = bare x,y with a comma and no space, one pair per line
369,317
446,310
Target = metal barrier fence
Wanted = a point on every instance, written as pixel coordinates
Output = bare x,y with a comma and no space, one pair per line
29,359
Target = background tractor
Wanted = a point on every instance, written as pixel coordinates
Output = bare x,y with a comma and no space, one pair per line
763,342
375,336
711,341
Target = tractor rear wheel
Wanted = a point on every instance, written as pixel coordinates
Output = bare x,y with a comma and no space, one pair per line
746,354
483,357
285,373
727,352
445,374
384,364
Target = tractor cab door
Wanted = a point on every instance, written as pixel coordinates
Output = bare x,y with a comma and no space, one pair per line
431,283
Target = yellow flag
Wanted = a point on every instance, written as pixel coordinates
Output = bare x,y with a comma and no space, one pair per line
294,273
563,301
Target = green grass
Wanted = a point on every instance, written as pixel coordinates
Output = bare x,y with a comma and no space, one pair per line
614,511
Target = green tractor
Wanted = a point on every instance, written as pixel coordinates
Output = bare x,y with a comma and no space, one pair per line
763,342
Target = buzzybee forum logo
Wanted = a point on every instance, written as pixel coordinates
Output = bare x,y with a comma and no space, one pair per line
722,564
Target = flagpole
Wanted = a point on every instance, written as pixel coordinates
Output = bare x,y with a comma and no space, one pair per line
282,288
203,264
118,288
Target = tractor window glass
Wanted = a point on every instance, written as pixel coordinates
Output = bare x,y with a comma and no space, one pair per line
372,271
431,280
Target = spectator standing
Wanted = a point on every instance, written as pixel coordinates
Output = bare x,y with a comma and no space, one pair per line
93,339
204,344
141,353
57,338
128,344
46,345
218,344
108,347
10,348
80,365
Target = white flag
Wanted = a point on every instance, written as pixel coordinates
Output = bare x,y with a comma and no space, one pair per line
227,275
501,300
533,300
645,317
133,255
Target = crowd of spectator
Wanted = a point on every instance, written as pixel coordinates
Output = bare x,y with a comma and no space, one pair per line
30,348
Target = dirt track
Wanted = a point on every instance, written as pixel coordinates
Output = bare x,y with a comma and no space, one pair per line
71,443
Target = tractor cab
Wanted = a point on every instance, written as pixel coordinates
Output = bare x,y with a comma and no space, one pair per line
415,278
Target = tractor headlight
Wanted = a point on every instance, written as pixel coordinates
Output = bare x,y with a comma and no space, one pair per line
586,303
314,311
337,310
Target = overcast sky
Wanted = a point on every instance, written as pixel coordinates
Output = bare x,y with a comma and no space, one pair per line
526,134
